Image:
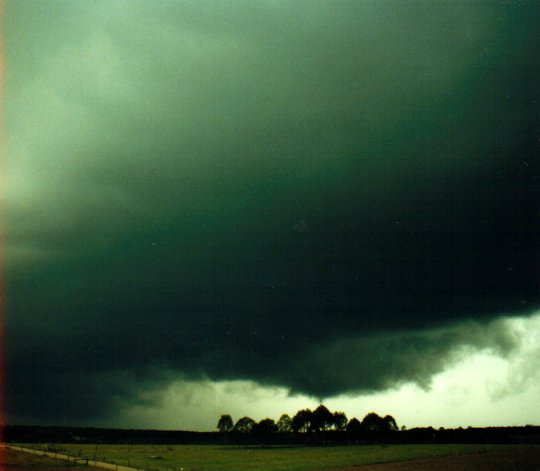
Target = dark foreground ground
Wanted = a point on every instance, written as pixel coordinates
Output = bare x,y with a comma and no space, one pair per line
524,459
16,461
507,460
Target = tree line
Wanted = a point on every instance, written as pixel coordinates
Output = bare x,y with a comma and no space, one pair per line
306,420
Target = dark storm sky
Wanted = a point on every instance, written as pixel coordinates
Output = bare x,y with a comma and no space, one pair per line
315,195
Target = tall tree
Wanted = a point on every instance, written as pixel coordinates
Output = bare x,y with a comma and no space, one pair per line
340,421
354,425
323,419
225,423
284,424
244,425
390,423
302,421
265,427
372,422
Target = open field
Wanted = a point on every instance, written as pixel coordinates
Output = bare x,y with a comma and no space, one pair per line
518,459
17,461
239,458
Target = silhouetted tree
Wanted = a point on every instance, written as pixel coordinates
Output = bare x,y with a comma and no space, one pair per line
225,423
340,420
302,421
284,424
372,422
354,425
244,425
322,419
389,423
265,427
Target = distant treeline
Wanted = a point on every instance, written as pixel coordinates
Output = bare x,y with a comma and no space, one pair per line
308,421
55,435
321,426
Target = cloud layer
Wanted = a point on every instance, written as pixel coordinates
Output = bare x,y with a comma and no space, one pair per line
262,190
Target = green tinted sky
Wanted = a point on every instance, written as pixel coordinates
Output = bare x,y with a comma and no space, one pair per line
317,196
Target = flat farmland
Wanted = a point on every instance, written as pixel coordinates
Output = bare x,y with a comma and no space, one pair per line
11,460
275,458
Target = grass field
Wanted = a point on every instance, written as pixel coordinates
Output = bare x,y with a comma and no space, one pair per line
23,461
237,458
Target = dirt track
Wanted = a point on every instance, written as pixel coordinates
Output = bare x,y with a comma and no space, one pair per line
508,460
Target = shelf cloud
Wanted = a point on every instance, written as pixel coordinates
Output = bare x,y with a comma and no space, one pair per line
332,198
